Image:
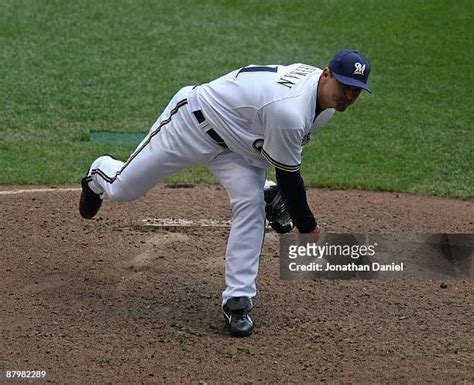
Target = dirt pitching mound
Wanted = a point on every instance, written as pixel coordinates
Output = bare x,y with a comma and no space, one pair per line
105,301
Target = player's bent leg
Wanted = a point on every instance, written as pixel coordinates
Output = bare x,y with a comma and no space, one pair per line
175,141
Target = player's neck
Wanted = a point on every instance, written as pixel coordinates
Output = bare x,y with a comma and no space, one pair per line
320,99
322,91
320,105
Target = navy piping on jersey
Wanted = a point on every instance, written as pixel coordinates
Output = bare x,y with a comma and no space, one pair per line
110,179
281,166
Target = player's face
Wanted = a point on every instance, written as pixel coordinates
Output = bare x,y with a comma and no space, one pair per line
339,96
345,95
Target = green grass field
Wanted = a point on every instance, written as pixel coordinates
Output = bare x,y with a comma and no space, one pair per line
72,67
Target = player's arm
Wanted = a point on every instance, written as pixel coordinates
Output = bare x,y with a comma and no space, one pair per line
294,196
282,148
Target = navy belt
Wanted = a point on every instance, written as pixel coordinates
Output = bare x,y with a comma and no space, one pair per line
214,135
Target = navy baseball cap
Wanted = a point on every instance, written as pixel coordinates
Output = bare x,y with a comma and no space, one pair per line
351,68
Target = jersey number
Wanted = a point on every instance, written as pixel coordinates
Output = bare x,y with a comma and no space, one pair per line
257,69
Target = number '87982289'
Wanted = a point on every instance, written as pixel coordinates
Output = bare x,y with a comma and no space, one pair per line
23,374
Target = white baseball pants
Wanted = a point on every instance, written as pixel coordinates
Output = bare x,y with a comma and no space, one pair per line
175,141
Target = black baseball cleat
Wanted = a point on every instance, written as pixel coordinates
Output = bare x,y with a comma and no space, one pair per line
90,202
237,315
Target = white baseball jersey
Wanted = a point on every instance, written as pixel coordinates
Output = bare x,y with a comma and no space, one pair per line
265,113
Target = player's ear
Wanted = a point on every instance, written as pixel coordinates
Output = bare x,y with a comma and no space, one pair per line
326,73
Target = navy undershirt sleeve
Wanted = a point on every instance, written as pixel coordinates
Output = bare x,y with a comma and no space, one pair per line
294,195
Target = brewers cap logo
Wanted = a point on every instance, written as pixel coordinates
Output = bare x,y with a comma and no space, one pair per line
359,69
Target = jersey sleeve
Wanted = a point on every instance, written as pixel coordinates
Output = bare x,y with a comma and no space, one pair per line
282,142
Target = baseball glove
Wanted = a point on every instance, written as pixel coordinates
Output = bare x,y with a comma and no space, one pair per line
276,212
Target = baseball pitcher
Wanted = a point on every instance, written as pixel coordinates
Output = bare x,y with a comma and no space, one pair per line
239,125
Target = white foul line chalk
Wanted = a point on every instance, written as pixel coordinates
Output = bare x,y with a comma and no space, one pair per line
38,190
